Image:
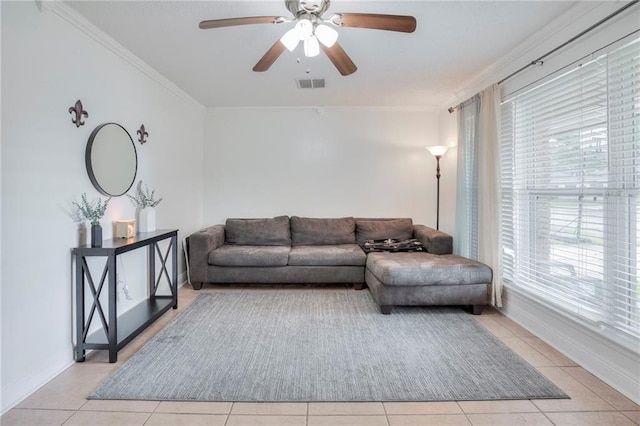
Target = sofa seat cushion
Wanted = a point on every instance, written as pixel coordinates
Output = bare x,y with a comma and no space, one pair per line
239,255
258,232
424,269
382,229
306,231
327,255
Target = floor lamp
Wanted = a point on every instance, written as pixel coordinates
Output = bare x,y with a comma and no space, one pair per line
438,151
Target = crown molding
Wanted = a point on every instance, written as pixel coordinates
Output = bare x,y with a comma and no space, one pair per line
74,18
322,109
565,26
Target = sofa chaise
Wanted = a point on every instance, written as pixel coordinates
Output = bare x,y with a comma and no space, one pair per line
323,251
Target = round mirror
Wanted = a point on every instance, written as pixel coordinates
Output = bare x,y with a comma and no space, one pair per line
111,159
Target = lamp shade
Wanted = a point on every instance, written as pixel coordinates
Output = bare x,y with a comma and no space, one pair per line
290,39
301,31
304,28
311,47
326,35
438,150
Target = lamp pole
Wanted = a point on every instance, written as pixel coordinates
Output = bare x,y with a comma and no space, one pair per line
438,152
438,157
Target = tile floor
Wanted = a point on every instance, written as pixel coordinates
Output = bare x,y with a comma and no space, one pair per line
63,401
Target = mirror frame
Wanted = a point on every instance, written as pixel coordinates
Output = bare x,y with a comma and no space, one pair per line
88,163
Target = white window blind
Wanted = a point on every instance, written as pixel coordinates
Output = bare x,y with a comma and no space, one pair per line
570,182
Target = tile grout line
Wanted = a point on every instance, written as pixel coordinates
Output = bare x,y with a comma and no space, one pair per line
564,368
626,416
386,415
548,418
553,364
464,413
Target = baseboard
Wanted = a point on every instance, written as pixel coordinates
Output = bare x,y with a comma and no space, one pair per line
16,391
182,279
614,364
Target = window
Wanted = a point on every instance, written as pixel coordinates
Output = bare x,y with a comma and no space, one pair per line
570,183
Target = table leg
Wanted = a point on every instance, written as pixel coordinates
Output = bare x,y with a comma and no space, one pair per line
113,314
174,270
80,352
151,273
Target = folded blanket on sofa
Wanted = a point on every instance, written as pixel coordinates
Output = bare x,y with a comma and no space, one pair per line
393,245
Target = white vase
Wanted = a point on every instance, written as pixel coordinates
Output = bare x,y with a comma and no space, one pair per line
147,219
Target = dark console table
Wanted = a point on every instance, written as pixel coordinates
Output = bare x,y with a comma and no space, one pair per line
116,331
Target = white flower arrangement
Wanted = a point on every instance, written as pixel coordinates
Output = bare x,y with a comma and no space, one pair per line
93,211
144,198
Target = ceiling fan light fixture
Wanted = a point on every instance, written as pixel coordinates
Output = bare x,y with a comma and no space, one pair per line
311,47
326,35
304,28
290,39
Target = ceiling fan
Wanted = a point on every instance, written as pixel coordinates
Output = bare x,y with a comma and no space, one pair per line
311,28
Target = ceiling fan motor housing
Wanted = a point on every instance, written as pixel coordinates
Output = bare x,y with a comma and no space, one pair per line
316,7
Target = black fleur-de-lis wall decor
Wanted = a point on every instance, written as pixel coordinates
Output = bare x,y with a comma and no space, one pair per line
142,135
79,112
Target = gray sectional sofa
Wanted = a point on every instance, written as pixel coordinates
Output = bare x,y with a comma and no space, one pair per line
318,251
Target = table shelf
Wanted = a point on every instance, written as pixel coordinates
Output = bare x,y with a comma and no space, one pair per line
133,322
116,331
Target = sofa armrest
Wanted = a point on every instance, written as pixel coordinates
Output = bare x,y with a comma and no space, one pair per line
436,242
201,243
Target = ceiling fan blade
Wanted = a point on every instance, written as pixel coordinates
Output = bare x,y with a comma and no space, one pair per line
340,59
401,23
270,57
232,22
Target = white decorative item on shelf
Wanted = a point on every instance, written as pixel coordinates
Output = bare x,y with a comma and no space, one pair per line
147,219
125,228
145,202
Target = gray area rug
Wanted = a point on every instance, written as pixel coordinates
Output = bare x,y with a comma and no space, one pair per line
322,346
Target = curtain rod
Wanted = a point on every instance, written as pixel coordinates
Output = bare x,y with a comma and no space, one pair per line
540,61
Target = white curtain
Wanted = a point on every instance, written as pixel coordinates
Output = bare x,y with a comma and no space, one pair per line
465,242
488,188
478,201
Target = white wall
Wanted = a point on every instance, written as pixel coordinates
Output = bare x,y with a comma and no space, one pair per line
448,135
51,58
321,162
1,405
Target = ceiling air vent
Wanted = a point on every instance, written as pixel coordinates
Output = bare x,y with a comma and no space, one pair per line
310,83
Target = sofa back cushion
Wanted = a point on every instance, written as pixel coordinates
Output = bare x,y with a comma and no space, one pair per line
258,232
307,231
382,229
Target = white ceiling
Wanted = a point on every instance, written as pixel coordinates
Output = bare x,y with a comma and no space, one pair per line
454,41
